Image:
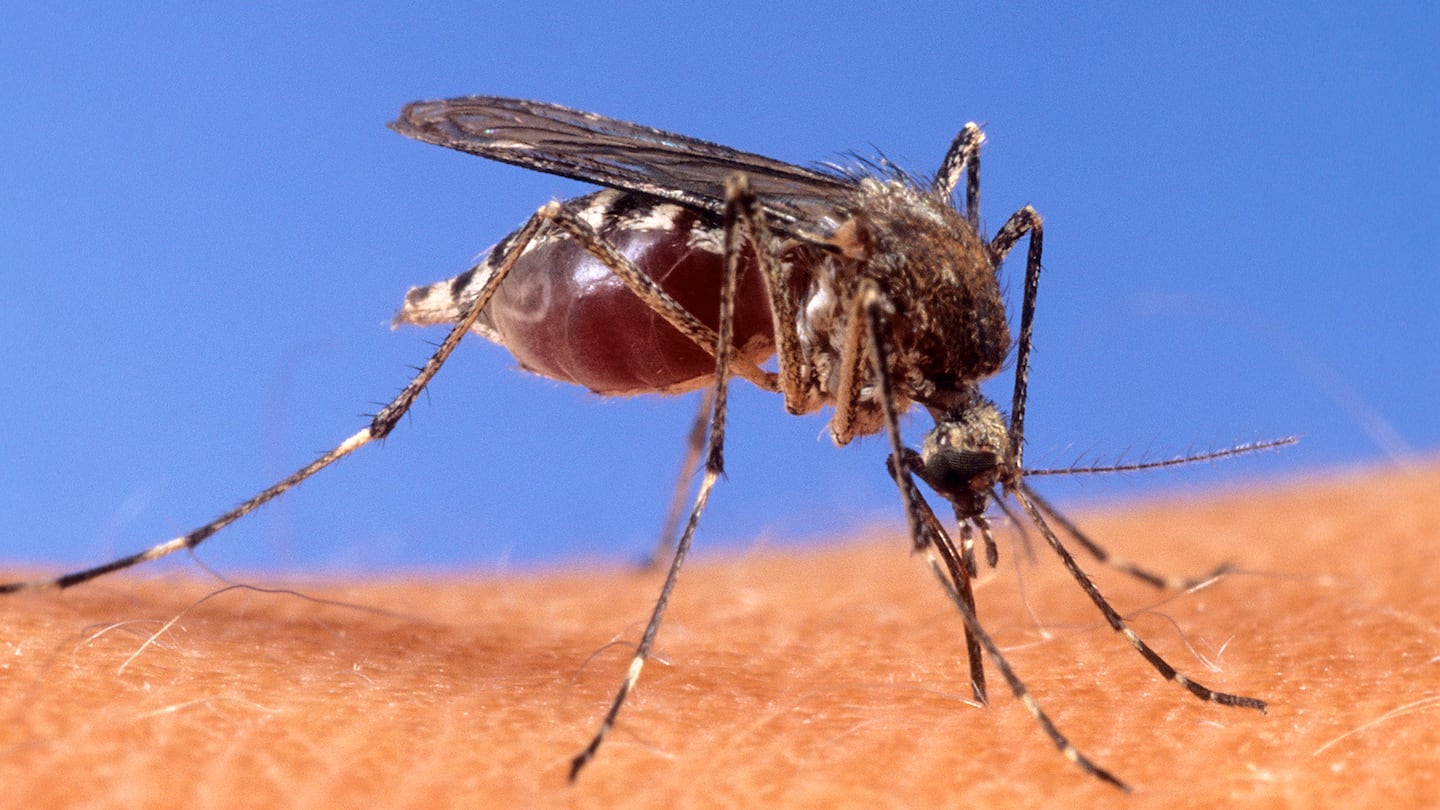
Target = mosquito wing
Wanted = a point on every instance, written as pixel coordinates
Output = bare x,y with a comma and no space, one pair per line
619,154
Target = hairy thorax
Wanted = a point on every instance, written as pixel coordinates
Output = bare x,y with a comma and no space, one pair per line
948,329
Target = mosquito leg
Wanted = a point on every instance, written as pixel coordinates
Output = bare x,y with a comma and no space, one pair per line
1168,582
657,299
647,641
379,427
963,156
968,526
795,375
961,572
1117,623
967,544
875,315
1020,223
992,552
963,580
714,468
693,445
737,190
1017,686
853,358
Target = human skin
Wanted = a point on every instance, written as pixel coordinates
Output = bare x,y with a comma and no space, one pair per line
829,676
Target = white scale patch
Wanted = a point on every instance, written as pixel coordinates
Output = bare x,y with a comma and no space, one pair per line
594,213
439,303
710,240
658,218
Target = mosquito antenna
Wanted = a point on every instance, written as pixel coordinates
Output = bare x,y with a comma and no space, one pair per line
1212,455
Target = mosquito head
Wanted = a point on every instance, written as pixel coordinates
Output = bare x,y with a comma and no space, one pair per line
966,454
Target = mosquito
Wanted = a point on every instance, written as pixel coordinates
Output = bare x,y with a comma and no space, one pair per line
872,290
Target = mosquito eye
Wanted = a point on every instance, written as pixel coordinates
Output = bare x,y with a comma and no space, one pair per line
951,471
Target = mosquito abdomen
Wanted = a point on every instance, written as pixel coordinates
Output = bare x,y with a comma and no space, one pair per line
565,315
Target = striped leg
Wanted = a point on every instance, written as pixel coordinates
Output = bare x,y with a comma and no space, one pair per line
694,443
876,314
1114,619
714,468
378,428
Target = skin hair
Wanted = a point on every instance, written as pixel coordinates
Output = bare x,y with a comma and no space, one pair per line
810,677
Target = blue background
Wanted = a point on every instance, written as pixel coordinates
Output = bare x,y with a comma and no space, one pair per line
205,228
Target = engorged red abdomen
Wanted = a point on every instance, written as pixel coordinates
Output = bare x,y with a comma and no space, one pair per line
565,315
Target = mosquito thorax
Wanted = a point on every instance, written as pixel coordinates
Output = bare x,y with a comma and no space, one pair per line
964,456
940,276
946,327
